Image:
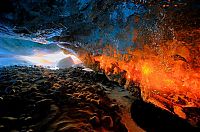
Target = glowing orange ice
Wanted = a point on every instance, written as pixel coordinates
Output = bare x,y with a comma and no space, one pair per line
168,74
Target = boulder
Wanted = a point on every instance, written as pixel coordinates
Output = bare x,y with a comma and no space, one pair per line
65,63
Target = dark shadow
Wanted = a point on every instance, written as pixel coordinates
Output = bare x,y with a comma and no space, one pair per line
152,118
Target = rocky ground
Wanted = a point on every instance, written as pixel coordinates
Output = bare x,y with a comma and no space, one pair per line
39,99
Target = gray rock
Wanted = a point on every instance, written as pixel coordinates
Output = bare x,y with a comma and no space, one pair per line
65,63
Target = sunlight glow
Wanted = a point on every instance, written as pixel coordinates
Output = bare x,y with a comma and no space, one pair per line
48,59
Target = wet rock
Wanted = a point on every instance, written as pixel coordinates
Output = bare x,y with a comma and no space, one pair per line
94,121
107,122
152,118
39,107
1,99
114,107
25,120
18,82
2,128
44,102
9,121
56,86
94,101
33,89
9,90
100,92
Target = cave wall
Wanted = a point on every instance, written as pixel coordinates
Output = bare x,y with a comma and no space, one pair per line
99,21
88,21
